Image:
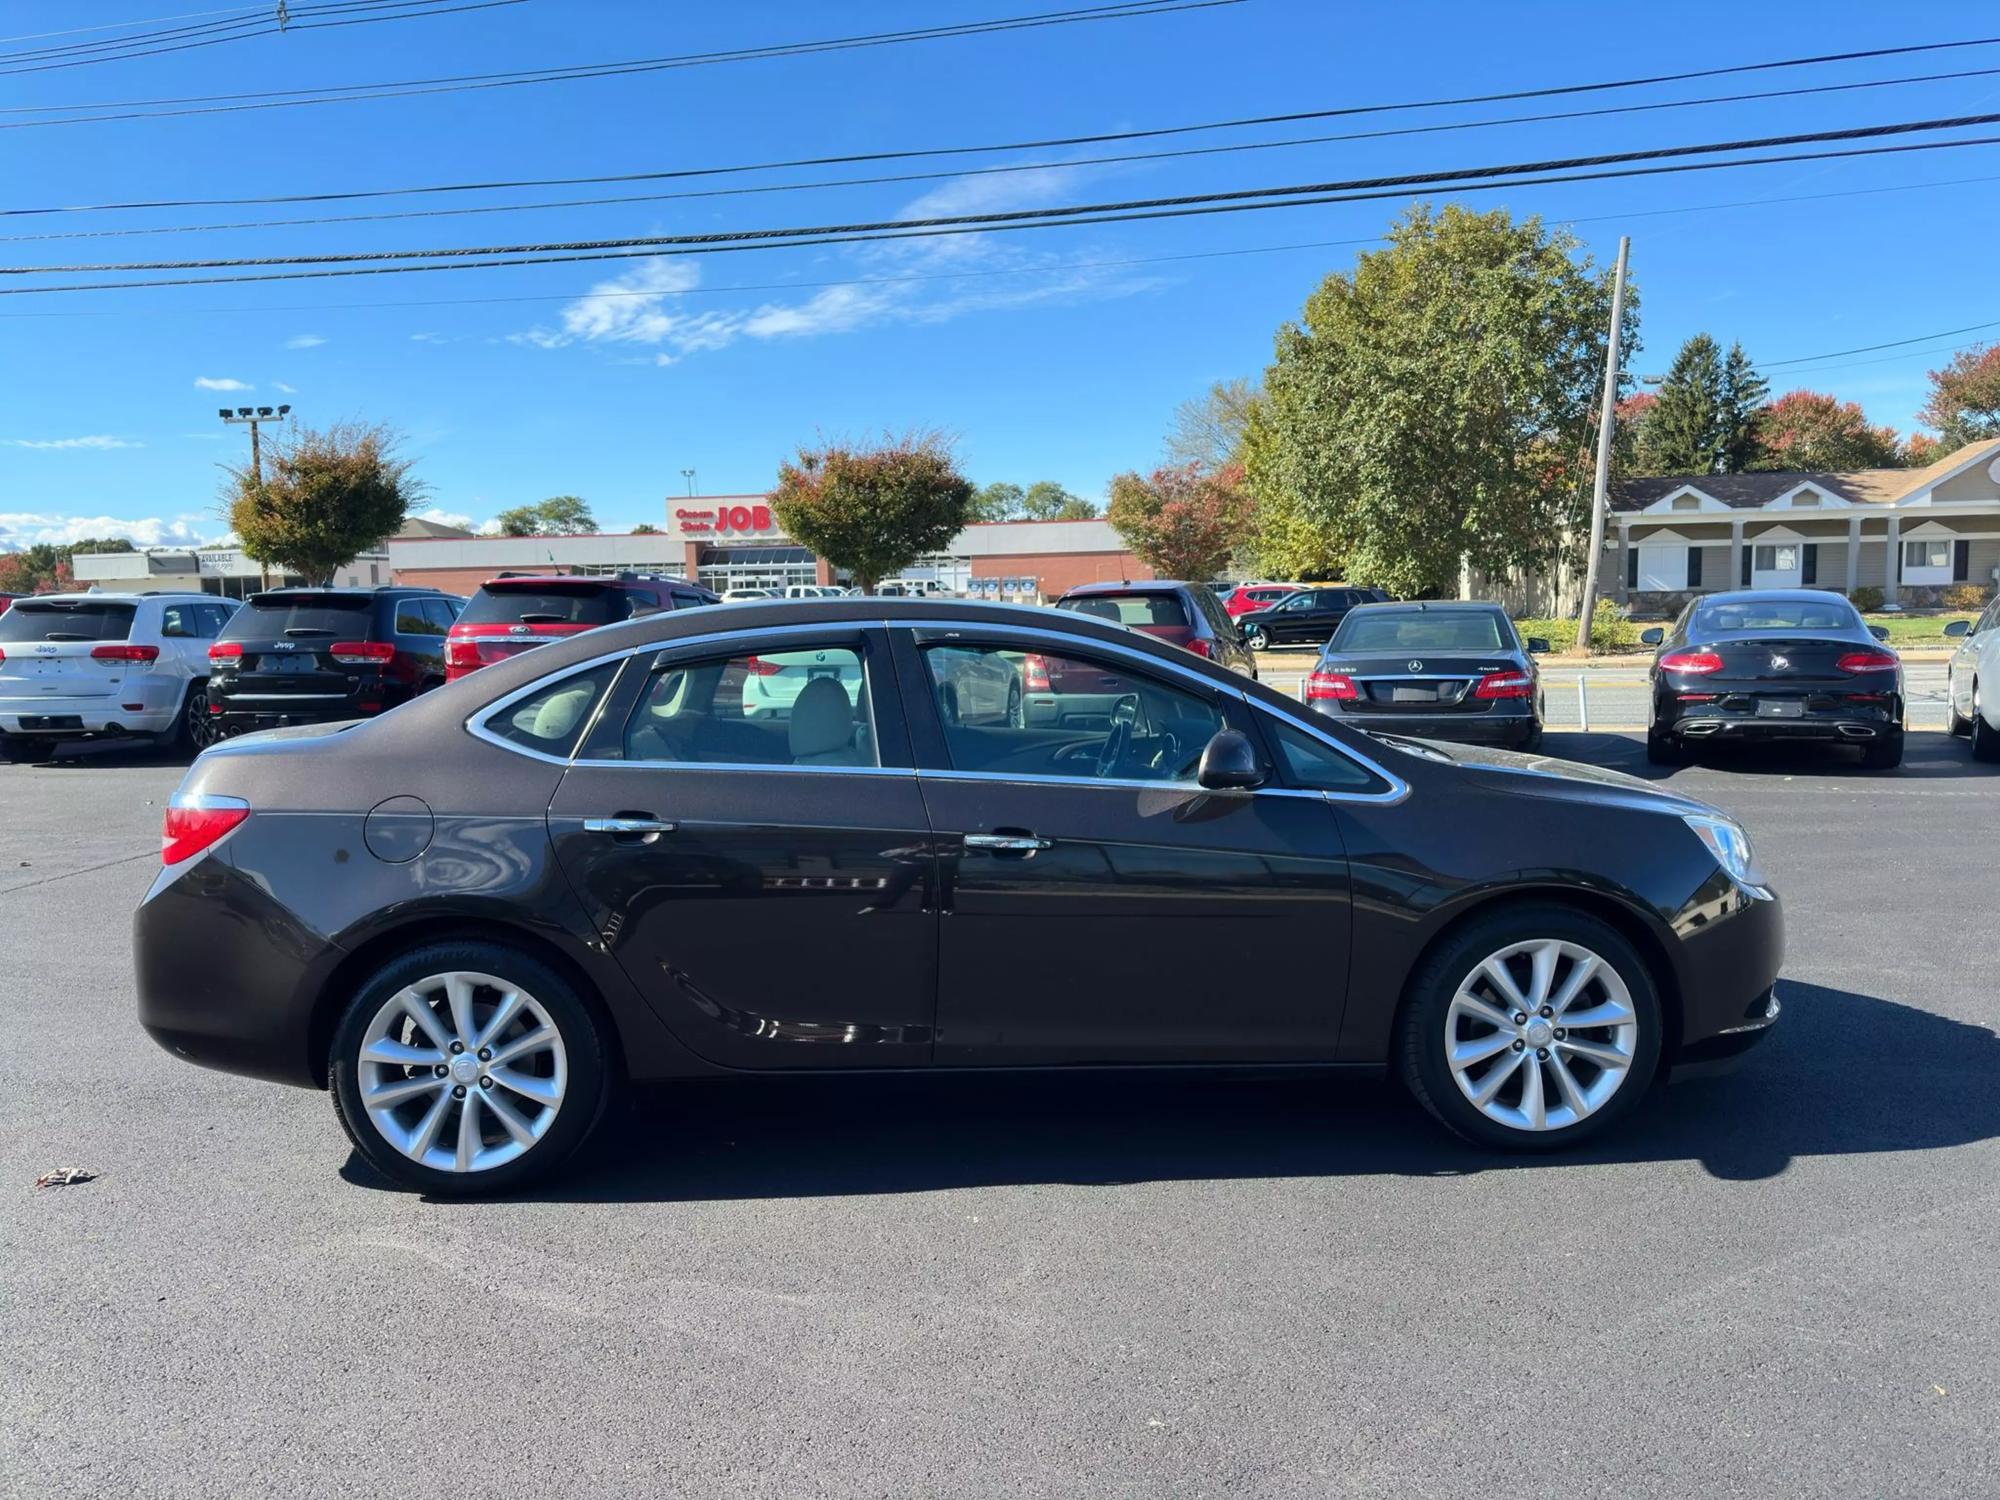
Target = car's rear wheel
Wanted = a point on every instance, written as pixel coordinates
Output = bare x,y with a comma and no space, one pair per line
1015,719
1257,638
1531,1029
1666,749
192,732
1885,753
466,1068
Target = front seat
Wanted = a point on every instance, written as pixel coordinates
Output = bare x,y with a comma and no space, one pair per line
822,726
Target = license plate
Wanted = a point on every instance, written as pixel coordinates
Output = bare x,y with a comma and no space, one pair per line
1780,708
287,664
1413,695
814,674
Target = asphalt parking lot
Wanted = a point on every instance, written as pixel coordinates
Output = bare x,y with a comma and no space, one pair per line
1775,1283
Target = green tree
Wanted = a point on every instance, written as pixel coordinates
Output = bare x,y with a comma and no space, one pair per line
1209,429
1182,520
1687,428
873,510
559,515
645,528
1436,405
326,495
1964,404
1806,431
1046,500
1281,540
1743,395
998,501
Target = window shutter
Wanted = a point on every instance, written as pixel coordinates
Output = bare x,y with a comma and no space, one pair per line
1631,567
1748,553
1694,567
1961,560
1809,575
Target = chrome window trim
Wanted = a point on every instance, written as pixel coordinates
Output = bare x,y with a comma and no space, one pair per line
1420,676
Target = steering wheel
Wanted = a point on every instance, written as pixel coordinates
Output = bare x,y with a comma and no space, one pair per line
1119,741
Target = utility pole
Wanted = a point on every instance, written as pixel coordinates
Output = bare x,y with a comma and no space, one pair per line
1600,494
252,416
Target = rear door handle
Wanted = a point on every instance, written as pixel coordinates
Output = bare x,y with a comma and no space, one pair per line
1006,843
633,828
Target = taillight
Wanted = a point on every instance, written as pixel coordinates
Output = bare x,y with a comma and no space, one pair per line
226,651
195,821
1035,672
1867,661
1334,687
1691,661
463,654
125,653
758,667
1504,685
1200,647
361,653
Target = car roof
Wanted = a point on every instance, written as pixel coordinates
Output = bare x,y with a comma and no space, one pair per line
1430,606
345,591
105,596
1131,586
1802,596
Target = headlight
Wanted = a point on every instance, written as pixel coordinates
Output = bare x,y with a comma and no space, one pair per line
1730,845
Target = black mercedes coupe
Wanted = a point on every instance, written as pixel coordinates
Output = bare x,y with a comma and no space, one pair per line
717,843
1773,664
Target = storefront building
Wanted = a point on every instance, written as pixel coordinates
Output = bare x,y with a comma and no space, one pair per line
207,570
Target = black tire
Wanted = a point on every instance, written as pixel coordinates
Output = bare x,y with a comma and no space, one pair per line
1666,749
1884,754
191,733
1530,741
583,1039
1015,717
1257,638
16,749
1419,1044
1985,739
1954,725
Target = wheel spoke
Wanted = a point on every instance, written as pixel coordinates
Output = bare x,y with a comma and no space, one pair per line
1534,1104
389,1050
386,1095
509,1118
468,1133
1567,1086
426,1134
1496,974
542,1090
1465,1054
1580,975
502,1017
1541,974
534,1041
418,1010
458,995
1497,1075
1610,1013
1473,1006
1604,1057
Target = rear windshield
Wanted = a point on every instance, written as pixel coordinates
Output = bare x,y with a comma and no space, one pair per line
268,615
1132,609
1776,614
1419,630
86,620
543,604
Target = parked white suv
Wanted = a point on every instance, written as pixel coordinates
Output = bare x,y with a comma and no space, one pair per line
1972,681
89,666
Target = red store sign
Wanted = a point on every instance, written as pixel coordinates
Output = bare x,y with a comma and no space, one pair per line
726,520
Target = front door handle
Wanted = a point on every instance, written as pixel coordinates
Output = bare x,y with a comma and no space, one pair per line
1006,843
635,828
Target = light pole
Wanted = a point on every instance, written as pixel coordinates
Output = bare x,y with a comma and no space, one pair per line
688,475
251,417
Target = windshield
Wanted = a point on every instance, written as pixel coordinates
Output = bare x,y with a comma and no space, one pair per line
1421,630
267,615
542,604
85,620
1131,609
1736,615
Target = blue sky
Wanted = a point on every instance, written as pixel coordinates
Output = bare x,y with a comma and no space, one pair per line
1053,354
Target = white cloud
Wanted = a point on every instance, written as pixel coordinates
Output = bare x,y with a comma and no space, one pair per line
445,517
20,529
428,338
304,341
95,440
289,390
220,383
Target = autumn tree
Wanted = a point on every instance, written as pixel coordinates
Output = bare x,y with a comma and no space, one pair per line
559,515
1182,520
1964,403
1435,406
1806,431
325,496
873,510
1209,429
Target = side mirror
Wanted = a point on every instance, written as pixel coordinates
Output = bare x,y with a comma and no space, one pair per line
1652,637
1538,645
1880,632
1957,628
1229,764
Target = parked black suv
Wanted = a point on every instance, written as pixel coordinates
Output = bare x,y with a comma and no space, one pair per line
306,656
1308,617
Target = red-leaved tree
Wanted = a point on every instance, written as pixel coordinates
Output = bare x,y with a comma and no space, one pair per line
1182,520
1806,430
1964,404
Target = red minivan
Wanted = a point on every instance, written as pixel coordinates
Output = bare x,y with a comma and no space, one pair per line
510,614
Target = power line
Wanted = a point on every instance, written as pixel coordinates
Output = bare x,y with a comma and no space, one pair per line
36,36
894,228
185,38
145,109
762,240
932,176
1922,338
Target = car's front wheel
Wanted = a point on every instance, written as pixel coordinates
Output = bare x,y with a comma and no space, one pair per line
1257,638
1531,1029
1985,738
465,1068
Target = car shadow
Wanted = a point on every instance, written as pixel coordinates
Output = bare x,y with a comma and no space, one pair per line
1844,1073
1927,756
73,755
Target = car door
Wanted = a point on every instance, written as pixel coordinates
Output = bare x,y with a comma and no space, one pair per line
1963,668
1128,916
766,879
183,641
1291,618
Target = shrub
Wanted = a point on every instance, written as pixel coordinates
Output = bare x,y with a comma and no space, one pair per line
1965,596
1610,629
1867,598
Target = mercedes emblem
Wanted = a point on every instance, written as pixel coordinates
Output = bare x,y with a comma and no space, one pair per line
1780,663
1416,666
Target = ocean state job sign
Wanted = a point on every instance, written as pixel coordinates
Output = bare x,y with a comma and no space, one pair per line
722,519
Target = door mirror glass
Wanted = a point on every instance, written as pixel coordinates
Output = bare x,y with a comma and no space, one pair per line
1652,637
1229,763
1880,632
1958,628
1538,645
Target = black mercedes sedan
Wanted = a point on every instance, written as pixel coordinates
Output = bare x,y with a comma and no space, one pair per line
478,917
1773,664
1438,671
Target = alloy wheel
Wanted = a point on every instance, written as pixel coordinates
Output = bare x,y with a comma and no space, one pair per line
1256,639
462,1072
1541,1034
200,735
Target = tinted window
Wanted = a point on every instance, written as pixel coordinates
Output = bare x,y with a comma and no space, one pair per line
1421,630
31,620
1312,763
1132,609
1722,617
180,621
413,617
267,615
804,707
544,604
688,599
214,617
553,719
1086,714
441,613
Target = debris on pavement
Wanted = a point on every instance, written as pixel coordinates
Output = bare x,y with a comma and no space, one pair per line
64,1176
